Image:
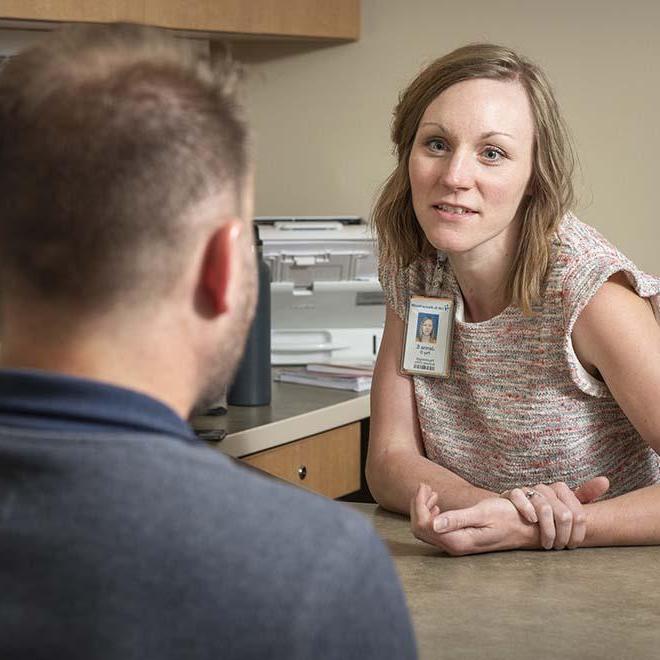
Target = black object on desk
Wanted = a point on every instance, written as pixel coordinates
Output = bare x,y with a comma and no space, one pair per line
211,435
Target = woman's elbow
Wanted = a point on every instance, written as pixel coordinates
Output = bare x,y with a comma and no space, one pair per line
377,473
372,476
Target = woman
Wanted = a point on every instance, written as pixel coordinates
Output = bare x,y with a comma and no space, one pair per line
553,393
425,333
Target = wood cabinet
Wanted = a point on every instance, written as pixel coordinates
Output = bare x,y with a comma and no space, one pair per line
327,463
310,19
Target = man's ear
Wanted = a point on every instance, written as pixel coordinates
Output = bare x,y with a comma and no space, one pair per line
217,269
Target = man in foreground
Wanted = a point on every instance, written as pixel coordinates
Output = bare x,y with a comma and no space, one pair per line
127,283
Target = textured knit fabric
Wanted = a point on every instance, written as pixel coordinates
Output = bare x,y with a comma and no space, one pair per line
518,407
147,546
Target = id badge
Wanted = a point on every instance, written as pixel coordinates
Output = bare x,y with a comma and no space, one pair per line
428,337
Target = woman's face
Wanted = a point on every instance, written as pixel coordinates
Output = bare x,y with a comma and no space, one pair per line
470,166
427,328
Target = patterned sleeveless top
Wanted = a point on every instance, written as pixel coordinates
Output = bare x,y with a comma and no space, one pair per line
518,407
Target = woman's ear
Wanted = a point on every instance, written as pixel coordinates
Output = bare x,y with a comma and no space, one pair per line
217,269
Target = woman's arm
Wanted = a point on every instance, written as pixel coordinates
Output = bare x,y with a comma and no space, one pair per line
396,464
618,335
630,519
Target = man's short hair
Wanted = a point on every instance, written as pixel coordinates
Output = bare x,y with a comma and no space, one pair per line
108,136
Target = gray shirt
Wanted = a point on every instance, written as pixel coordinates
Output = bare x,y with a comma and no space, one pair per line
122,545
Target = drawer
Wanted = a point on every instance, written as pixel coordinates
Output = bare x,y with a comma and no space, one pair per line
327,463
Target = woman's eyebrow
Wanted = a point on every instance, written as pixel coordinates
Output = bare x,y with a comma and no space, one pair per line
483,136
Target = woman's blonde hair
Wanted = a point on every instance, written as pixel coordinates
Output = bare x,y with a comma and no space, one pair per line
550,192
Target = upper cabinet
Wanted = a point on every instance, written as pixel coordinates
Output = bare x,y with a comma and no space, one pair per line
337,20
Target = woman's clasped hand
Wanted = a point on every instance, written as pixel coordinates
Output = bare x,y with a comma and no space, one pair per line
548,516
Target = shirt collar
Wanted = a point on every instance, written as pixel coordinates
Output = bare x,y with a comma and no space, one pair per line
53,401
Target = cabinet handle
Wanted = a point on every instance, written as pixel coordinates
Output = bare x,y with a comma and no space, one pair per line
302,472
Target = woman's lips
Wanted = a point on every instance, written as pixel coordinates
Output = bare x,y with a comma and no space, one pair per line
452,212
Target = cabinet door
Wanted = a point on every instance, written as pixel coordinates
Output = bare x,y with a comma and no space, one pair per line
89,11
310,19
327,463
315,19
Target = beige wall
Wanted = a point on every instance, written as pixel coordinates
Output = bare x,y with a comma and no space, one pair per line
322,115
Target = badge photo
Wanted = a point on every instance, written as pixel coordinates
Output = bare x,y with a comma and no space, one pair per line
428,337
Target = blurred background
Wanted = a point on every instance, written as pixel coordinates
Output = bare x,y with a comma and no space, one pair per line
323,115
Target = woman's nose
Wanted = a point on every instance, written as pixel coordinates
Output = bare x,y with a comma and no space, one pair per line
459,172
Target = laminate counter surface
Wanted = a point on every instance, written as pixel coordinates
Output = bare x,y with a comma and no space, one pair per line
591,603
296,411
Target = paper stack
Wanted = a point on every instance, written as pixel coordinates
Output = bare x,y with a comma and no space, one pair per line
345,376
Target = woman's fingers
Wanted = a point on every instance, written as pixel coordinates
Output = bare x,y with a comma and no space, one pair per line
546,517
450,521
421,514
579,518
532,505
593,489
558,510
417,505
561,513
522,503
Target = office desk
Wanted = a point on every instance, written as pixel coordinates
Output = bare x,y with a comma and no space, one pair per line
308,436
295,412
598,603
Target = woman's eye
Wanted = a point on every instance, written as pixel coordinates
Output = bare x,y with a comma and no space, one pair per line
435,144
492,155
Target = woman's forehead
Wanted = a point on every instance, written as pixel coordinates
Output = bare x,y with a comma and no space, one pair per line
481,107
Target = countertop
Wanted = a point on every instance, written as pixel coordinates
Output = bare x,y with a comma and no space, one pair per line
296,411
590,603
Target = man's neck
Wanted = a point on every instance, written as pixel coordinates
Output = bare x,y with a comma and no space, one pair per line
142,364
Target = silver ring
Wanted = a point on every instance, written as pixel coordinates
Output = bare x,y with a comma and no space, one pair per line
529,493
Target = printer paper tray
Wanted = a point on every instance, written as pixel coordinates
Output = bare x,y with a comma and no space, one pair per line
323,345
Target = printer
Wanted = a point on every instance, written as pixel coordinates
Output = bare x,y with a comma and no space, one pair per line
326,302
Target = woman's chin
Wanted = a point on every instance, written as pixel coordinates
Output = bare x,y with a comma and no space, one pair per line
449,246
447,239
